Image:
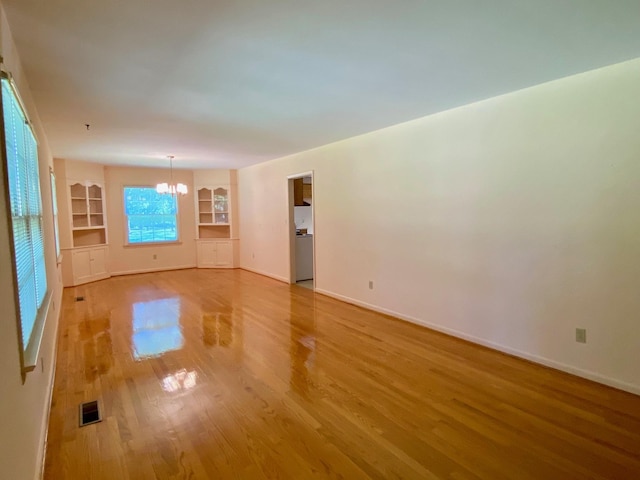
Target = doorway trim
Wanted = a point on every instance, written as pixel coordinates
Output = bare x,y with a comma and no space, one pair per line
292,225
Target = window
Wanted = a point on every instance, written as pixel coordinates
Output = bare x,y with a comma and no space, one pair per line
25,204
151,216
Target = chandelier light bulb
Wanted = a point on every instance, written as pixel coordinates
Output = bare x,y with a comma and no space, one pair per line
172,188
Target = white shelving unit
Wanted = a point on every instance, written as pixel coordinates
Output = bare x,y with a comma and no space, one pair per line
88,224
213,212
217,246
83,221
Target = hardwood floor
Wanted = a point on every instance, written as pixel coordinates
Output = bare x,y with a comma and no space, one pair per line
205,374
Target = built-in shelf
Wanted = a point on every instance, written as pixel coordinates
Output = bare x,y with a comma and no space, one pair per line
87,215
81,195
214,231
213,212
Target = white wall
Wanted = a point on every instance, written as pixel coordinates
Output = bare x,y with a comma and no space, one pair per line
24,406
303,217
509,222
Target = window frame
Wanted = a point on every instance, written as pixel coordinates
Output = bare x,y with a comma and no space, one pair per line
55,211
29,348
127,243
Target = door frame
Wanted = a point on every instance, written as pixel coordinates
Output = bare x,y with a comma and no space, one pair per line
292,225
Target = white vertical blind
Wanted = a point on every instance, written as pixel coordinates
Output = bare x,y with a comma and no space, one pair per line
26,211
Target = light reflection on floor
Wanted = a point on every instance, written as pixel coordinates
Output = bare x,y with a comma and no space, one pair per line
181,380
306,283
156,327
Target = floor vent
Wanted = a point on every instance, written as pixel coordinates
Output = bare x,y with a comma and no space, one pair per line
79,299
89,413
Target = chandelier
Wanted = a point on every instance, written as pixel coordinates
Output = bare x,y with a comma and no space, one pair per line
172,188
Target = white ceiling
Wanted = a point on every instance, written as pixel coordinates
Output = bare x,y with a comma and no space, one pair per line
229,83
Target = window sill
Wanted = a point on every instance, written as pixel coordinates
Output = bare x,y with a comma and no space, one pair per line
32,352
151,244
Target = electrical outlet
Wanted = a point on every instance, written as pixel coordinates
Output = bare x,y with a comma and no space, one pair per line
581,335
370,284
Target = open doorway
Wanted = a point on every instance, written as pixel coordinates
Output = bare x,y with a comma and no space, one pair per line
301,230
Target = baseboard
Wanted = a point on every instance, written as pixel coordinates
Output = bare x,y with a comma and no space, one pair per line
151,270
265,274
547,362
44,428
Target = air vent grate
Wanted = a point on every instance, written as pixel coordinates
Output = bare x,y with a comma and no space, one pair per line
79,299
89,413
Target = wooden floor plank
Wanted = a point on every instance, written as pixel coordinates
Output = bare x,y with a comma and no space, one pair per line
206,374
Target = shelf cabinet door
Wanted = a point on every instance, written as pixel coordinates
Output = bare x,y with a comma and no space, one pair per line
221,205
224,254
98,260
306,191
81,265
215,254
89,264
206,254
298,194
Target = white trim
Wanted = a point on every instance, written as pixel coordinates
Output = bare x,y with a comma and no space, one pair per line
31,353
300,175
292,230
589,375
83,247
44,428
151,270
234,239
265,274
92,279
55,211
152,244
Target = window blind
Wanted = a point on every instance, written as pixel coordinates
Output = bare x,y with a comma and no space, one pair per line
26,211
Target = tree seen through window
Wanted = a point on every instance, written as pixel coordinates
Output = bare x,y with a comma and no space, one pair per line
151,216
